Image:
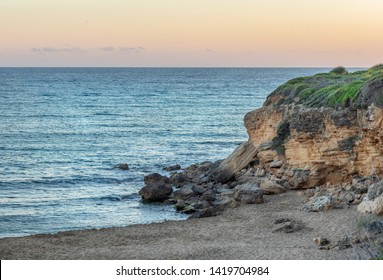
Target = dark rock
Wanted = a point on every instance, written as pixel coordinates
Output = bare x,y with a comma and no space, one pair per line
198,190
178,179
157,188
372,92
122,166
282,220
208,196
204,167
156,192
172,167
183,193
156,179
209,212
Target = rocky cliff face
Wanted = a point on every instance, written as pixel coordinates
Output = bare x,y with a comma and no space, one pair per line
325,141
323,134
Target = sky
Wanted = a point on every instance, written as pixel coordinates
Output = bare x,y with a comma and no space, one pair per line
191,33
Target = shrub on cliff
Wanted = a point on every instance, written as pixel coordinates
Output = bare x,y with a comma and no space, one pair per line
283,131
340,70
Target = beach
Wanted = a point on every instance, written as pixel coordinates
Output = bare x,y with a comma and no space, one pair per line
247,232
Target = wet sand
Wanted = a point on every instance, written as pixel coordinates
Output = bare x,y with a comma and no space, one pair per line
246,232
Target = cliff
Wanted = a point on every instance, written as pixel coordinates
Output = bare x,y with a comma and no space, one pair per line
321,134
327,127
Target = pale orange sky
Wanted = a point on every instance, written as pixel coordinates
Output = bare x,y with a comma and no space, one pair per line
254,33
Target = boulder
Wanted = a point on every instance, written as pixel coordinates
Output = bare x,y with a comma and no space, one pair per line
156,193
122,166
271,187
156,179
157,188
373,200
319,203
248,193
234,163
372,206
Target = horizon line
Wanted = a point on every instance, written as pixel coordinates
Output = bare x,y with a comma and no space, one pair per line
276,67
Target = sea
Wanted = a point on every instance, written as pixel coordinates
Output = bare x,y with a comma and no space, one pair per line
63,130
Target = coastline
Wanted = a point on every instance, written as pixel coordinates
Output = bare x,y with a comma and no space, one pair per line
247,232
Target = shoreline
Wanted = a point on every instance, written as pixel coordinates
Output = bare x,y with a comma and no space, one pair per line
247,232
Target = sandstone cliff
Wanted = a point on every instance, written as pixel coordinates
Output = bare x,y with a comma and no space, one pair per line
328,128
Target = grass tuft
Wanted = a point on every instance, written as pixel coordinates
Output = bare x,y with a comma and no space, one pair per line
335,89
340,70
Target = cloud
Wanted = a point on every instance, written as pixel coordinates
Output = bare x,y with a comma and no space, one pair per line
56,50
128,49
107,49
121,49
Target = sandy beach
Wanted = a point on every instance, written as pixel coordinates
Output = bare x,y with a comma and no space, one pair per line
247,232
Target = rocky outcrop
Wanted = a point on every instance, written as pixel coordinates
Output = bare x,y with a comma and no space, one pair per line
157,188
325,144
322,134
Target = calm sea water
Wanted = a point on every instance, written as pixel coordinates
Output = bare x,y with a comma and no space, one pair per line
63,129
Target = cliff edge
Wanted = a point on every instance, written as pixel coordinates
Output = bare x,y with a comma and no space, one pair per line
327,127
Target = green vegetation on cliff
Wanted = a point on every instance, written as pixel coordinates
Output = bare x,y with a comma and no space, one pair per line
336,88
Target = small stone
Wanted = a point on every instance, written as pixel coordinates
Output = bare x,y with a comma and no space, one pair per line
276,164
260,172
122,166
344,243
321,241
288,227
